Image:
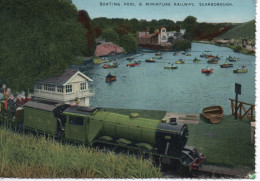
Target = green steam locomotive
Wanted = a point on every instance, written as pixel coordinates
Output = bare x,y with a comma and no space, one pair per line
166,142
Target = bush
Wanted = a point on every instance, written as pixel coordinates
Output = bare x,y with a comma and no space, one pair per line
129,43
182,45
237,48
110,36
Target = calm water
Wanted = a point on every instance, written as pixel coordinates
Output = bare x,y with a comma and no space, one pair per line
184,90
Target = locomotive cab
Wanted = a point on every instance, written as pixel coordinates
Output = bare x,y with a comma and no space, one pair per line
79,126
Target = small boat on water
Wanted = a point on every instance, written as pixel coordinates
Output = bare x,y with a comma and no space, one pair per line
195,60
158,53
130,58
110,78
150,60
213,114
226,65
240,70
136,63
217,57
157,58
210,56
172,67
188,54
110,66
212,61
97,60
207,71
232,59
180,61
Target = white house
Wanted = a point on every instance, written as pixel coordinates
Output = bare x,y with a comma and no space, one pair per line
162,38
64,88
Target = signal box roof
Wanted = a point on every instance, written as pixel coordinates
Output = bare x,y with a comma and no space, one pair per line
42,105
85,110
64,78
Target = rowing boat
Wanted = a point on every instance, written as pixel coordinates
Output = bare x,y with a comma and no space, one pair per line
180,62
150,60
240,71
206,71
213,114
106,66
226,65
110,78
176,67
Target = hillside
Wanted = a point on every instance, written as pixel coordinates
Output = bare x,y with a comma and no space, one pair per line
245,30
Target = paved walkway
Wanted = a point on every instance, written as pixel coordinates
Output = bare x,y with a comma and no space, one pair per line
183,118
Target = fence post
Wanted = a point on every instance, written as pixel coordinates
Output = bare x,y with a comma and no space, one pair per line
237,91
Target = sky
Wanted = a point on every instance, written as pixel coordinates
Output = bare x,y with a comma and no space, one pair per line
235,11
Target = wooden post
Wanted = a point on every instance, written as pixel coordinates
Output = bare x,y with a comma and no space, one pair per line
252,132
237,91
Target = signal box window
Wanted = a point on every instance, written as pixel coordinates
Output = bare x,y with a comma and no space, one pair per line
83,86
68,88
76,120
60,89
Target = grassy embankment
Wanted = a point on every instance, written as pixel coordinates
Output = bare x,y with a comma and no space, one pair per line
243,31
233,47
29,157
226,143
242,50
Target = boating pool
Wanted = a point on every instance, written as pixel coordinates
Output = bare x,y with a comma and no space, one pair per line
183,90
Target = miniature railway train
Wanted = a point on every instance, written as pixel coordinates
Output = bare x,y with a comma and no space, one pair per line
166,142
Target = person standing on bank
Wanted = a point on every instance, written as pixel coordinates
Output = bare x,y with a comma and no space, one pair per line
76,102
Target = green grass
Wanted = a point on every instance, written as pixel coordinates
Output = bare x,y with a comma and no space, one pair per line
243,50
25,156
226,143
245,30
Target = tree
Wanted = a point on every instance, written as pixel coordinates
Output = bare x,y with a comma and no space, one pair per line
190,23
190,20
91,37
39,38
129,43
151,29
98,31
110,36
182,44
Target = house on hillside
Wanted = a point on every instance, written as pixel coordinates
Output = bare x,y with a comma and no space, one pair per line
161,37
64,88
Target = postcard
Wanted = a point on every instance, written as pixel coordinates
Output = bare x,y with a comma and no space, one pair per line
128,89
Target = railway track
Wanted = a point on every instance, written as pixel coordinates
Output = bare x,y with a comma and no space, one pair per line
211,171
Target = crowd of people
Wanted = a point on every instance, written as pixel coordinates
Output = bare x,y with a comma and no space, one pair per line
12,101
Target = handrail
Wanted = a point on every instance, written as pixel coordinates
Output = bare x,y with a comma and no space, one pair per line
242,102
241,107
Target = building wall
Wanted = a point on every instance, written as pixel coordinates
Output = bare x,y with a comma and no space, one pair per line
162,38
